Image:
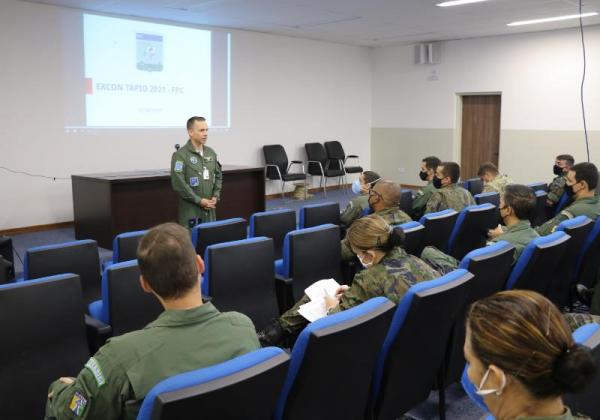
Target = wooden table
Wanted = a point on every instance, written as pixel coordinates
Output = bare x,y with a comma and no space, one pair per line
105,205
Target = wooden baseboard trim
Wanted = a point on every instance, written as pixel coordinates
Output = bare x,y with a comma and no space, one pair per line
36,228
310,190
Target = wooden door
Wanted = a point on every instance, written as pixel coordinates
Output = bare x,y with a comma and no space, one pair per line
480,133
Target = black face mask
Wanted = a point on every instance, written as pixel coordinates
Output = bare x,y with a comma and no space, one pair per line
557,170
423,175
437,183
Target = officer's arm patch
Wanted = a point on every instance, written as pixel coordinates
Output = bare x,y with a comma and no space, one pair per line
93,366
78,403
194,182
179,166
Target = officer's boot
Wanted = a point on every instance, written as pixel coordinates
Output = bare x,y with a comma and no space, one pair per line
272,335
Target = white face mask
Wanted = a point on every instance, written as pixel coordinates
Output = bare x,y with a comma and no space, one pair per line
356,187
484,392
364,264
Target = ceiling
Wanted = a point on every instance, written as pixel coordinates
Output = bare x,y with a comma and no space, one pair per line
355,22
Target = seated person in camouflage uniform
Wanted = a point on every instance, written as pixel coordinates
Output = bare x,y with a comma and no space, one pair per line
448,194
384,201
516,206
357,206
581,181
428,167
188,335
389,271
493,181
521,357
561,167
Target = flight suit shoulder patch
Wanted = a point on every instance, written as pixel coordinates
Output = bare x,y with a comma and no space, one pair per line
94,367
78,403
179,166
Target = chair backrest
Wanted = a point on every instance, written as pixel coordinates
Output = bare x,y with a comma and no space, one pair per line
538,186
44,338
360,331
273,224
406,200
316,152
540,214
474,185
125,245
438,227
335,150
319,214
488,197
275,155
210,233
242,388
239,276
415,345
125,305
587,265
562,203
311,254
414,233
537,266
471,229
79,257
578,229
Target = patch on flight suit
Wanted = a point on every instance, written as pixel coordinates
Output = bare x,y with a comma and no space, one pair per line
78,403
194,182
194,160
93,366
178,166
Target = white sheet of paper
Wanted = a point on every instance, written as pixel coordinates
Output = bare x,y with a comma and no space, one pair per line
313,310
318,290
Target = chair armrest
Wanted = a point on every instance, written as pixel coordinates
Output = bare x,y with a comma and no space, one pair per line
296,161
283,280
352,156
276,167
284,293
97,333
320,165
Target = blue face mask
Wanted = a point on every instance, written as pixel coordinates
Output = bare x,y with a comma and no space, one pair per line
356,187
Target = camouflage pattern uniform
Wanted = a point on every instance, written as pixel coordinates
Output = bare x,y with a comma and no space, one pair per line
392,215
452,196
355,209
577,320
392,278
589,206
557,188
421,199
497,184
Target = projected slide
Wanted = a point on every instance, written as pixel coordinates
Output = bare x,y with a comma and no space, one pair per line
141,74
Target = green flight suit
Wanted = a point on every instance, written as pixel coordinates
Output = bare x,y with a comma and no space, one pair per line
392,215
392,278
557,188
114,382
421,199
498,184
195,176
566,416
355,209
589,206
452,196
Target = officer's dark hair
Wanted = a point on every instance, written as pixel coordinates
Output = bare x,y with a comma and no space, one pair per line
451,169
431,162
191,121
167,260
487,168
373,232
521,199
586,171
567,158
371,177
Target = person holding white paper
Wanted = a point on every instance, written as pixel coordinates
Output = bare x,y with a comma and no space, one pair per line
389,271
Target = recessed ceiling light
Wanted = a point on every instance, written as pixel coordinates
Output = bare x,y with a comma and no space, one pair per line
551,19
458,2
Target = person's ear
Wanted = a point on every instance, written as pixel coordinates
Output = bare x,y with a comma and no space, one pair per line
200,264
495,378
145,286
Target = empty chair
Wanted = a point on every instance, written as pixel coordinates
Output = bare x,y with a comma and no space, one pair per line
320,165
474,186
239,276
44,338
414,233
406,200
338,158
79,257
414,348
537,267
471,229
438,227
124,304
319,214
578,229
242,388
360,331
586,270
277,167
488,197
125,245
210,233
273,224
539,216
538,186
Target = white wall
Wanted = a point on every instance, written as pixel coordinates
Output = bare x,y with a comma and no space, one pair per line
538,75
284,90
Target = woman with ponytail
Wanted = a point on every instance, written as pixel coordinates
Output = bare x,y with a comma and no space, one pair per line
522,357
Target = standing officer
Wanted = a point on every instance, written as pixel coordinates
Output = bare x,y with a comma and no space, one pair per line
196,176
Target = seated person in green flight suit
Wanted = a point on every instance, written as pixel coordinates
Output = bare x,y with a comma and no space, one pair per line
357,206
427,172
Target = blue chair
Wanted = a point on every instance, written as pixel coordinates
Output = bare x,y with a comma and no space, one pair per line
586,270
537,266
319,214
124,304
210,233
538,186
43,338
239,276
474,186
242,388
406,200
471,229
540,214
414,348
125,245
563,202
438,227
317,349
414,233
488,197
79,257
273,224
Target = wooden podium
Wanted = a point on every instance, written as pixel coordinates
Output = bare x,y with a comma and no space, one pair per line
105,205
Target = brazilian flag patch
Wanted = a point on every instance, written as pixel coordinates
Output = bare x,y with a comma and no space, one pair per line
78,403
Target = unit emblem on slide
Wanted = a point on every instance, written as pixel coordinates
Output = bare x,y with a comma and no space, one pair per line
149,52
